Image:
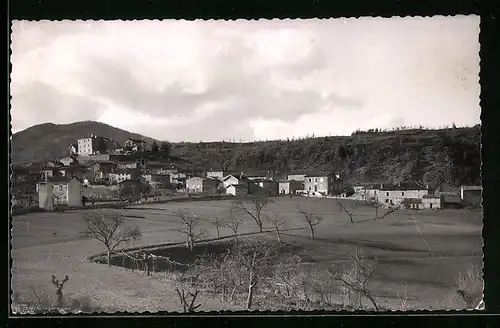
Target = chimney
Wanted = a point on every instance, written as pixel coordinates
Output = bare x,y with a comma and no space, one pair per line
381,185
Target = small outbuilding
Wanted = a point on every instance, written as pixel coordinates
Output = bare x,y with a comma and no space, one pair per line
237,190
431,201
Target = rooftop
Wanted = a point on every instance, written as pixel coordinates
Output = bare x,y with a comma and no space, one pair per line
136,140
238,186
59,179
432,196
472,187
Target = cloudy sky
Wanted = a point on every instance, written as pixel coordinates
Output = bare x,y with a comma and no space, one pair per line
214,80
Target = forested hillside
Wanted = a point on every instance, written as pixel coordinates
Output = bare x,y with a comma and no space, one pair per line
447,156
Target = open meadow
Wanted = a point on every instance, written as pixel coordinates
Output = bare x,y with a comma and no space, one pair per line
418,253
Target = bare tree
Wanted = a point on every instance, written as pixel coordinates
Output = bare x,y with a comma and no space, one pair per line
188,306
218,222
385,213
191,223
346,210
311,219
59,288
287,277
233,221
356,277
254,259
106,228
216,273
258,203
277,222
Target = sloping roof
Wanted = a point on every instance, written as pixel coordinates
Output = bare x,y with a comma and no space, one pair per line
60,179
432,196
404,186
471,188
124,171
74,167
136,140
317,174
238,186
131,181
456,199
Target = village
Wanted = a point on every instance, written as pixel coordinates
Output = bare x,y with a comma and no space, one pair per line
98,170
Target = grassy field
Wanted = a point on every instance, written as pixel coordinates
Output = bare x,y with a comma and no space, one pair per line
422,251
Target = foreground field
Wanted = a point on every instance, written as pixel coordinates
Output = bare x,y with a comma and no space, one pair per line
421,252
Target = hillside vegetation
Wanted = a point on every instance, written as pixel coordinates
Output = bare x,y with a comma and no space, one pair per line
46,141
436,157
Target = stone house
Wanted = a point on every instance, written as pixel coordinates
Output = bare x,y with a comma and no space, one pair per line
287,187
432,201
56,191
324,183
201,184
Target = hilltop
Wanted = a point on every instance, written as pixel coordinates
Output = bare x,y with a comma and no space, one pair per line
437,157
48,140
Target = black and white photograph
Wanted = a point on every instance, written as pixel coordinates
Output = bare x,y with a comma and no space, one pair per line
193,166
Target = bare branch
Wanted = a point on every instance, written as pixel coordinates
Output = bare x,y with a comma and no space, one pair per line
311,219
259,202
191,223
346,210
106,229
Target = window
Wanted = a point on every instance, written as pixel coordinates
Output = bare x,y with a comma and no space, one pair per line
309,187
387,193
60,187
310,180
315,179
387,201
402,193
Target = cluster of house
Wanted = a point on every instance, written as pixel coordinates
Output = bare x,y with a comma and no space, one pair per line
415,195
240,184
92,160
101,161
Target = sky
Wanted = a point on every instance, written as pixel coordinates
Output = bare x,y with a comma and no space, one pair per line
247,80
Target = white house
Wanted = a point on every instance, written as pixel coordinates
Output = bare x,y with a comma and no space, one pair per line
122,175
234,180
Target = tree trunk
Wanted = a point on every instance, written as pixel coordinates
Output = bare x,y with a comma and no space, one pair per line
235,239
260,226
191,242
109,257
312,232
278,234
218,233
251,285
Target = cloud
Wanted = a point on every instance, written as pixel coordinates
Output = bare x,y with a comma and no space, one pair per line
197,80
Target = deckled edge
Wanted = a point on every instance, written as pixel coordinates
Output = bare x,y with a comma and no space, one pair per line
64,313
